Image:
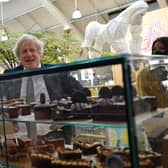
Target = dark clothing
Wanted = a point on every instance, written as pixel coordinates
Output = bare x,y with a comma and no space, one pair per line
58,85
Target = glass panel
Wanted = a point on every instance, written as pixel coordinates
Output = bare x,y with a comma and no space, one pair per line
77,114
149,81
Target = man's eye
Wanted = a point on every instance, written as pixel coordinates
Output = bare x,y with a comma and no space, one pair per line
24,51
32,50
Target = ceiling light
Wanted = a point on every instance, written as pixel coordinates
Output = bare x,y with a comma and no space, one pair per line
76,13
4,36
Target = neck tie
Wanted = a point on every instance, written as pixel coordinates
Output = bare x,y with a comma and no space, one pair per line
29,90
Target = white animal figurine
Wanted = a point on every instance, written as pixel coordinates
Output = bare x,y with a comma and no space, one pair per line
114,32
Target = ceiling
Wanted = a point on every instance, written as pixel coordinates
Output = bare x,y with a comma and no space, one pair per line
36,15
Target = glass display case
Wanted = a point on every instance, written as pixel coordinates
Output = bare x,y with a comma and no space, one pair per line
77,115
150,79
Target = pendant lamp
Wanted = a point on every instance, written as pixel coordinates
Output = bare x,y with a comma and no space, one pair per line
76,13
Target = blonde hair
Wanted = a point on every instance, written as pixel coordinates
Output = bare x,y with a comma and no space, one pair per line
148,84
24,38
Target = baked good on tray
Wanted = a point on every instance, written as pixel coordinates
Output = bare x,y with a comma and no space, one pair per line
43,111
12,111
15,152
24,141
85,147
57,142
40,160
77,163
25,109
110,112
70,153
13,102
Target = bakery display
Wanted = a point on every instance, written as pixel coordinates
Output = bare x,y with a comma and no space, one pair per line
147,159
47,156
104,108
53,153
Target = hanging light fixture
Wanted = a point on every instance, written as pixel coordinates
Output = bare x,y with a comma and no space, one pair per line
4,36
76,13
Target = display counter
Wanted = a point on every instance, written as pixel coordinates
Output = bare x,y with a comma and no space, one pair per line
64,127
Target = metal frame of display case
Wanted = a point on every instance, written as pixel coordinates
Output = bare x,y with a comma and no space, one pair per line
111,60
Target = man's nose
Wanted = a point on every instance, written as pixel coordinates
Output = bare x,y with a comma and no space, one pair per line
29,52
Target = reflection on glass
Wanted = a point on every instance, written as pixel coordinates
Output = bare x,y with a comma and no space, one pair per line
150,106
83,109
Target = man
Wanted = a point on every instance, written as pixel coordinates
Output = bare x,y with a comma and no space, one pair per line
29,51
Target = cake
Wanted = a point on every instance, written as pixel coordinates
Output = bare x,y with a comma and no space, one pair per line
25,109
113,112
12,111
70,154
86,148
44,111
15,152
24,141
48,149
57,142
62,109
40,160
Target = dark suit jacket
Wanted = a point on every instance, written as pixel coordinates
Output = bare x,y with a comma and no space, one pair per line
58,85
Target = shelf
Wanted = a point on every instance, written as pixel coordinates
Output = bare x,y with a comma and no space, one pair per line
85,122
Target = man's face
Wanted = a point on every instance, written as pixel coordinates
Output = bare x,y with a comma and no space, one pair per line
29,54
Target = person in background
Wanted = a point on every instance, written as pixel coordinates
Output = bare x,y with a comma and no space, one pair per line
160,46
117,93
149,79
149,83
29,51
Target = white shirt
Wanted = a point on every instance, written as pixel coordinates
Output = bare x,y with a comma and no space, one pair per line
39,87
